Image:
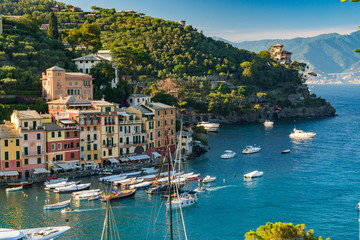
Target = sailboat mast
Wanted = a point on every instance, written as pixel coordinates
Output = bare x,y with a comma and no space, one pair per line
167,154
107,218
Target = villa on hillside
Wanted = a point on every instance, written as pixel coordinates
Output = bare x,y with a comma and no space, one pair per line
280,55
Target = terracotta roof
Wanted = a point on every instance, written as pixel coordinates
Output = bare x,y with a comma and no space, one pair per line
8,131
286,52
71,100
278,45
52,127
159,106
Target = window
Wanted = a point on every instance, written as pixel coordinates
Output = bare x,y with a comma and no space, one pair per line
70,83
82,129
76,83
110,152
89,157
59,134
127,140
159,134
67,134
26,151
158,123
158,143
171,111
95,137
26,124
52,107
127,150
121,151
95,126
18,164
53,134
64,107
172,141
120,128
165,113
89,147
26,161
53,146
17,155
71,144
165,123
6,143
121,140
95,146
38,149
72,155
172,121
17,142
6,164
88,128
38,136
95,157
38,160
59,146
25,137
88,137
75,134
77,145
104,153
158,113
82,149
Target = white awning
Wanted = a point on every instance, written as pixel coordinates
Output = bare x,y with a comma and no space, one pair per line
65,166
139,157
40,171
124,159
113,160
8,173
156,154
90,162
56,168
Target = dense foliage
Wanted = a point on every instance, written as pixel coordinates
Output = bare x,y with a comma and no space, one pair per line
282,231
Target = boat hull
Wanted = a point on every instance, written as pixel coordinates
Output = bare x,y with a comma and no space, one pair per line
20,184
114,197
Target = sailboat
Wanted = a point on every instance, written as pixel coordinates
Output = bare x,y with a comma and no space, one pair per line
110,230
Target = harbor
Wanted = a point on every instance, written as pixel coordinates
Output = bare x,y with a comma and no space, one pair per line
315,183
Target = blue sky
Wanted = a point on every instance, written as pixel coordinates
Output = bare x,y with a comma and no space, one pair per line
241,20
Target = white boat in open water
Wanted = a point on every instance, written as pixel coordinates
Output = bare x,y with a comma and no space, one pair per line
14,189
301,134
57,205
228,154
253,174
210,127
268,123
33,233
251,149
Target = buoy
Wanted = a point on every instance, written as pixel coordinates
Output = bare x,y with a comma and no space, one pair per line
234,175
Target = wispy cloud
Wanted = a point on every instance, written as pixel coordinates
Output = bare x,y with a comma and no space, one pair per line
234,35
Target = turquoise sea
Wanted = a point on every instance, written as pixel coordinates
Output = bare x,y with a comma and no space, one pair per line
316,184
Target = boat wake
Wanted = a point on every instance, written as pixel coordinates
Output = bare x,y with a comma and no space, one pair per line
213,189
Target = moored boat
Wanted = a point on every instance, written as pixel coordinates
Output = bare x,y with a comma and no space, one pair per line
207,179
228,154
301,134
210,127
57,205
23,184
285,151
268,123
193,177
253,174
15,189
72,188
141,185
44,233
251,149
117,195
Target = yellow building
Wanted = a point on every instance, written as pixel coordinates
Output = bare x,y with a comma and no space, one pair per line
10,152
109,131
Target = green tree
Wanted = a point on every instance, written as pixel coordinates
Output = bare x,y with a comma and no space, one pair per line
73,38
90,36
165,98
282,231
129,58
137,89
103,73
53,26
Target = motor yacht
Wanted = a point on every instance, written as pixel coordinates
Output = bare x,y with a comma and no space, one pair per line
253,174
33,233
268,123
301,134
228,154
251,149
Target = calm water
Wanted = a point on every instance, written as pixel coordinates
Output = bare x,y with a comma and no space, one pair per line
316,184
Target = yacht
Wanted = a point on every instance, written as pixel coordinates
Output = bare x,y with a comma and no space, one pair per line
268,123
251,149
228,154
253,174
182,201
210,127
33,233
301,134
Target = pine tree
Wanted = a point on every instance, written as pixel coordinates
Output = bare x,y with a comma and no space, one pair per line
53,26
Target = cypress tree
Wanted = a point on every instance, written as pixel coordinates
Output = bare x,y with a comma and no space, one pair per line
53,26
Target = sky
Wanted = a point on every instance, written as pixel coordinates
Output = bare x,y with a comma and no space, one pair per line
246,20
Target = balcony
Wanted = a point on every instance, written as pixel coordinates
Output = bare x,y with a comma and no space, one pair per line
88,122
109,145
95,122
130,122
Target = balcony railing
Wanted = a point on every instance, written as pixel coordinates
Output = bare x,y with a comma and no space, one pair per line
109,145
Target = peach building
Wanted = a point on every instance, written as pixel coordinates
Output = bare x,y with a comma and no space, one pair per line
57,82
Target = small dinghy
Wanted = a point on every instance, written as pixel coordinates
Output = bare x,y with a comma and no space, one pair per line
253,174
14,189
58,205
207,179
285,151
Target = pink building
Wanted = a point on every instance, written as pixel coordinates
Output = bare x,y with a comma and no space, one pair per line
29,125
56,83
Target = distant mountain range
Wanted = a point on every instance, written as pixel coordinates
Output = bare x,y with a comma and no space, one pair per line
326,53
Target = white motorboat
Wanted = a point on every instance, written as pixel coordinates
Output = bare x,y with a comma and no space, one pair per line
57,180
85,192
57,205
182,202
15,189
120,182
60,184
86,196
207,179
103,179
141,185
200,189
228,154
253,174
268,123
164,174
73,188
210,127
149,177
193,177
133,174
150,170
95,196
251,149
285,151
301,134
116,179
33,233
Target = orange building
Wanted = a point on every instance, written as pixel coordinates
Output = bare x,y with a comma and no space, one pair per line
56,82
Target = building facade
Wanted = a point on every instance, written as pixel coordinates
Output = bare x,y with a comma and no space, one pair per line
56,83
280,55
29,124
137,99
